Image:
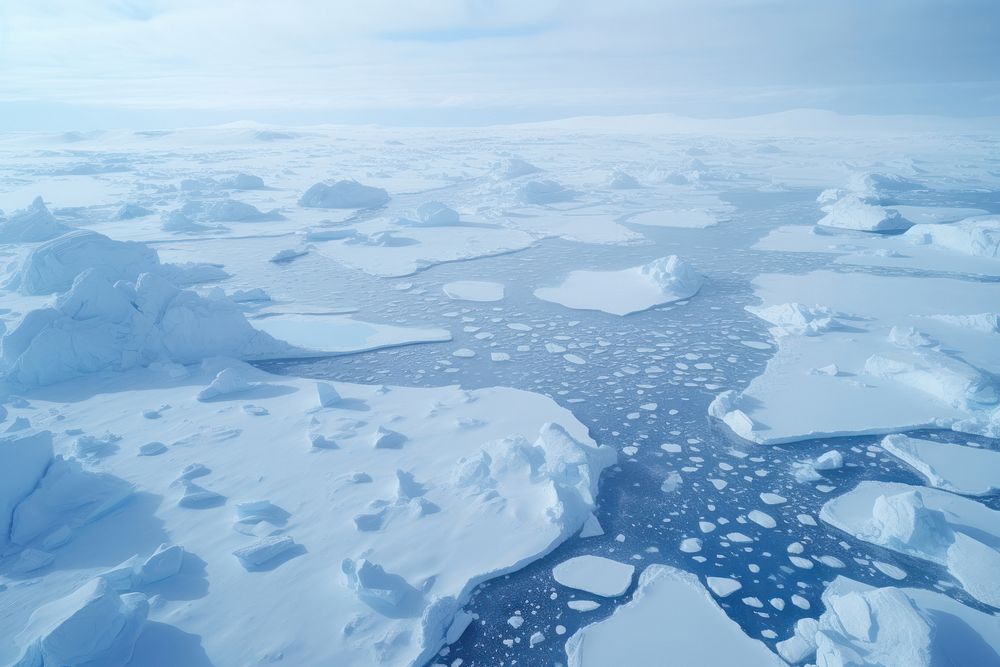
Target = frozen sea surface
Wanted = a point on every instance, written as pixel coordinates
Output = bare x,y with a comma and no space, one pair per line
742,518
646,381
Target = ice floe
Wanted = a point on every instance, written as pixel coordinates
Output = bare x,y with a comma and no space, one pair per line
671,616
970,471
950,530
595,574
892,627
627,291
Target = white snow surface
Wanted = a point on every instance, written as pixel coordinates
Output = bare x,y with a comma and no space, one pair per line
671,619
329,579
627,291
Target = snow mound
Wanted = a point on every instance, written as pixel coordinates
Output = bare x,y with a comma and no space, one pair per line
343,194
544,192
851,212
436,214
627,291
671,615
978,237
30,225
92,626
795,319
97,326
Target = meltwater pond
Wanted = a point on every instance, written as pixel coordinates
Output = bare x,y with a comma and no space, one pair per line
642,384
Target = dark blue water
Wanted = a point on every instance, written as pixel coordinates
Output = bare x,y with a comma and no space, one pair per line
632,361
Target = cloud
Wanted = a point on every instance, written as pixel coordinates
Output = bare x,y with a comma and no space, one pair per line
586,56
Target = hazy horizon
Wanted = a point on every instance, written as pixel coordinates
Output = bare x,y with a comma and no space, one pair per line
156,63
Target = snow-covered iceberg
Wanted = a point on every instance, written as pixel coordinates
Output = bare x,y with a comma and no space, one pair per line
944,528
892,627
32,224
851,212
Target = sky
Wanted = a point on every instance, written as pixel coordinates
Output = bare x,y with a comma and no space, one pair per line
97,64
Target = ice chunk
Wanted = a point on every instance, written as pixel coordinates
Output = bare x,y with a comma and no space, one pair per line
388,439
544,192
164,563
227,382
91,626
831,460
794,319
129,211
968,470
851,212
594,574
343,194
385,592
512,168
628,291
327,394
24,458
436,214
723,586
591,527
66,495
762,519
32,224
264,550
